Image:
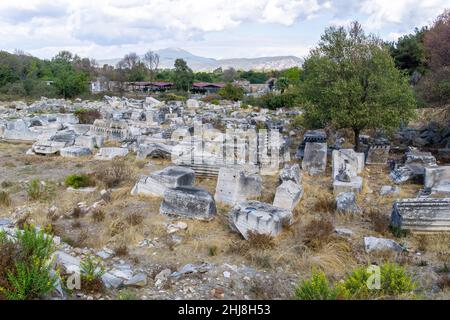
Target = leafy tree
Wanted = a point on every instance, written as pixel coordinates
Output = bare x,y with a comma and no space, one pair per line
292,74
408,52
434,87
254,76
282,84
183,76
350,81
231,92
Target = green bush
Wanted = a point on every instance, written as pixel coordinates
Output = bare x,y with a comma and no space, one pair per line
91,269
231,92
34,243
25,265
77,181
394,281
317,288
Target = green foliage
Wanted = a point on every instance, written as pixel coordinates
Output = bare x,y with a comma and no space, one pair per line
231,92
183,76
34,243
255,77
350,81
408,52
292,74
91,269
27,273
394,282
127,295
282,84
316,288
276,101
5,199
30,280
77,181
87,116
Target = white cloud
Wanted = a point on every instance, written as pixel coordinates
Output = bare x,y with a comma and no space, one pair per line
109,27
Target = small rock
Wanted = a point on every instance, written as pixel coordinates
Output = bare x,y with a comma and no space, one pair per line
138,280
380,244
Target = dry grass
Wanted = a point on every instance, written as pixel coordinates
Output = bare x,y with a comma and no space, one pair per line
379,221
260,241
316,233
5,199
98,215
114,173
324,204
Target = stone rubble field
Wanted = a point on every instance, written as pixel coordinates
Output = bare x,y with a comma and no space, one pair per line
214,230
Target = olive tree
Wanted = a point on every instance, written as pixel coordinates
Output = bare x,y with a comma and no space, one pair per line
350,81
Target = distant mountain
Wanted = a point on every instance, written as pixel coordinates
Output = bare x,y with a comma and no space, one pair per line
198,63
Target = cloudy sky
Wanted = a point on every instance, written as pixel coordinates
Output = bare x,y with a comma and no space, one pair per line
105,29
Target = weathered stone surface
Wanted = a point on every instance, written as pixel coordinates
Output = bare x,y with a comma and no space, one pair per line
346,202
388,190
48,147
315,158
188,202
348,160
138,280
291,172
381,244
401,175
310,136
111,153
157,183
355,185
75,151
87,142
67,263
378,154
422,214
154,150
438,178
235,185
258,217
288,195
192,103
111,281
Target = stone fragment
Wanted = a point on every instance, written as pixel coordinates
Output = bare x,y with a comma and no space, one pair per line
315,158
388,190
110,153
258,217
378,154
138,280
438,179
381,244
75,152
235,185
188,202
422,214
346,202
291,172
157,183
288,195
355,185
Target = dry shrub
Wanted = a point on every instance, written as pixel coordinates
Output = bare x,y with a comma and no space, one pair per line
82,239
98,215
116,227
324,204
121,250
444,282
93,286
260,241
77,212
268,289
317,232
134,218
380,222
335,257
115,173
76,224
5,199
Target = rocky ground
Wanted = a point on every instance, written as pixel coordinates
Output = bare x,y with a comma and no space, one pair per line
149,256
